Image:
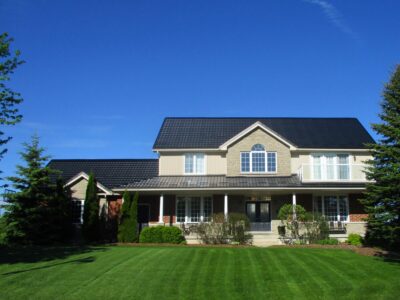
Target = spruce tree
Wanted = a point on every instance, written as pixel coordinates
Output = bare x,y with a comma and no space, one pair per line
133,216
382,198
27,208
91,218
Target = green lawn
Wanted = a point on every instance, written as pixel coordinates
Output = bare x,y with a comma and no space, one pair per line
195,273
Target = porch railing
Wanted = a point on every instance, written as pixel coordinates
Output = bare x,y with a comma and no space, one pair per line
332,172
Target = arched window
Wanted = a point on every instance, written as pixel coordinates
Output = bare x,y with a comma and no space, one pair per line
258,160
258,147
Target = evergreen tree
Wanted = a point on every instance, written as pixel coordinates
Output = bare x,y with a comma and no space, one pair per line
9,99
91,218
27,208
128,226
382,199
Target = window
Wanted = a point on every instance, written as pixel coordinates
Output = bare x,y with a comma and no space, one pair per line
194,163
330,166
245,161
258,160
77,211
193,209
334,208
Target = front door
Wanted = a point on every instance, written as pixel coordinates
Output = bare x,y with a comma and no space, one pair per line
259,215
143,216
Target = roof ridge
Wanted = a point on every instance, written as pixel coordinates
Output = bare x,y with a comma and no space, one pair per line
255,118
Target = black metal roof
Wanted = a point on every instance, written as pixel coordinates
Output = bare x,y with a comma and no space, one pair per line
221,181
202,133
109,172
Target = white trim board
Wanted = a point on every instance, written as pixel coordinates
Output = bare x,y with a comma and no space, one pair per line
256,125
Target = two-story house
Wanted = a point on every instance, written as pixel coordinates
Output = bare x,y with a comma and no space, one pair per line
246,165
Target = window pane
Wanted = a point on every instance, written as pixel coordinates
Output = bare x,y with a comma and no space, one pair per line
271,162
318,205
199,163
343,208
207,206
317,167
77,211
258,161
330,208
330,166
343,166
194,209
245,161
189,166
180,210
258,147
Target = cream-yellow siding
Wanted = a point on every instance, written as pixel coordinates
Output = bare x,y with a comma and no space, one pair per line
78,190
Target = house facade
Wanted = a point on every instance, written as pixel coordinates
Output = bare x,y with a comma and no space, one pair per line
246,165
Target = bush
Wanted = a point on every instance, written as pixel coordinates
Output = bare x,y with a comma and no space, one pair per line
327,242
2,230
161,234
234,230
354,239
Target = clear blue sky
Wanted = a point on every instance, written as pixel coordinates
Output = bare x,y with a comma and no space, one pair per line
100,76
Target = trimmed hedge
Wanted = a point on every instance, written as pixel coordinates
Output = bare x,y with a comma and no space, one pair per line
162,234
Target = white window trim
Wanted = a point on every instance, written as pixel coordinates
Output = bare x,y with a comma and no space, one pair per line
194,164
82,209
337,206
323,166
187,200
266,162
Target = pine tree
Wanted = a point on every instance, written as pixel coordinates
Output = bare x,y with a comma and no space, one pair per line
91,219
27,208
9,99
382,200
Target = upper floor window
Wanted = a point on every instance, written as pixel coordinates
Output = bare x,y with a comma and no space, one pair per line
330,166
194,163
77,211
258,160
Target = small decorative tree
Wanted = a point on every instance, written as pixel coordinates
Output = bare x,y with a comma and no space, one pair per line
91,219
292,216
128,226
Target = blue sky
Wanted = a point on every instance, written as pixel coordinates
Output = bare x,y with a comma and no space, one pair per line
100,76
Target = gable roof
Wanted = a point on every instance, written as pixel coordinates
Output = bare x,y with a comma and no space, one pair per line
211,133
109,172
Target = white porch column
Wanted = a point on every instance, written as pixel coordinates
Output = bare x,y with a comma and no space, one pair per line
161,215
294,204
226,206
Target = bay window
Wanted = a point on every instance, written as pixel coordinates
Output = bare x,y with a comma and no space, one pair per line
258,160
194,163
193,209
330,166
334,208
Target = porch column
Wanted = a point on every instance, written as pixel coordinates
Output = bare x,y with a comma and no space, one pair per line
294,204
226,206
161,215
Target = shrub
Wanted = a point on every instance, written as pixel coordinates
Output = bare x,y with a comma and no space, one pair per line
355,239
128,227
172,235
161,234
327,242
234,230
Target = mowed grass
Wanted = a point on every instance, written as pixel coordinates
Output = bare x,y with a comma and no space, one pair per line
195,273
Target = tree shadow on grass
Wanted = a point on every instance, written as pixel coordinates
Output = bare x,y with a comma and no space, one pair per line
32,254
88,259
